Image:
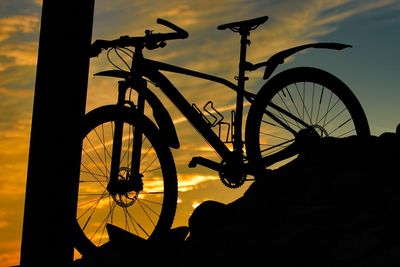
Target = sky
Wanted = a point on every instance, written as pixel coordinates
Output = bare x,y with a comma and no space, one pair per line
370,68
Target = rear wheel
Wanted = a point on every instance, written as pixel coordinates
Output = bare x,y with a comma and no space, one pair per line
147,213
295,107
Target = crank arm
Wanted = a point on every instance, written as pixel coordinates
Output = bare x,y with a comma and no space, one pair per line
204,162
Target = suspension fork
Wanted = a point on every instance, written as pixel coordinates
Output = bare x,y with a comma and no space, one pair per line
112,186
140,85
134,177
133,181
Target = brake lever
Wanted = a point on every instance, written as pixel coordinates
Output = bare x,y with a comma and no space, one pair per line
152,46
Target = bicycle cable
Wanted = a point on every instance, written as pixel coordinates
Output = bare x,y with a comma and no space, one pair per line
117,51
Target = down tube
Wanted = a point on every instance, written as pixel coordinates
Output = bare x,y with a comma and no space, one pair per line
190,113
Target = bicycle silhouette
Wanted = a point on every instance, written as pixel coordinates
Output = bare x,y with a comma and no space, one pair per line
128,175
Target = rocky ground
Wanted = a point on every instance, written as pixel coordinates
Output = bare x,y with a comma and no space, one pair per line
337,204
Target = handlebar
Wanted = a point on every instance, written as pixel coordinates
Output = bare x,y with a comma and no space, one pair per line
149,41
180,33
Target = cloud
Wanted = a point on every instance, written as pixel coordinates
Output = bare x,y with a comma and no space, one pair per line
14,143
330,15
184,14
20,54
9,252
189,182
10,258
3,221
17,24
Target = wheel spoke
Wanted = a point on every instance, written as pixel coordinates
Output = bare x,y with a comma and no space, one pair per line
92,208
275,136
103,222
94,162
286,106
303,101
283,145
145,212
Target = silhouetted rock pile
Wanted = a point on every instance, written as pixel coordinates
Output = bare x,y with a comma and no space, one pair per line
336,204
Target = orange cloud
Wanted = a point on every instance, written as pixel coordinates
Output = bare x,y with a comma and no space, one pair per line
192,181
10,258
15,24
3,221
21,54
184,13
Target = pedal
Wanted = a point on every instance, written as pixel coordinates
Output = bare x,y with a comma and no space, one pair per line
193,163
204,162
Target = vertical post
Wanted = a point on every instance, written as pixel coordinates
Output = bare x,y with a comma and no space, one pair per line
55,145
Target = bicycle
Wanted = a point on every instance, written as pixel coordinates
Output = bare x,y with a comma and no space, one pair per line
127,164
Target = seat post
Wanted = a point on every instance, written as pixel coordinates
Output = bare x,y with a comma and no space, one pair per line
244,41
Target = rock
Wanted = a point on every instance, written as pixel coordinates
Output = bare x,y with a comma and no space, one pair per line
336,204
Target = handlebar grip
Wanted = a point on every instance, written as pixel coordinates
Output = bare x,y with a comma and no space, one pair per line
97,47
181,33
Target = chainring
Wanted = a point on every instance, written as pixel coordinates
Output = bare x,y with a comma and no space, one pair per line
232,175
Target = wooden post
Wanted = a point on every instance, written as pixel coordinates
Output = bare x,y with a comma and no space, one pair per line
55,145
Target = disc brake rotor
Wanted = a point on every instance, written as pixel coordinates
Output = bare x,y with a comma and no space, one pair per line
125,196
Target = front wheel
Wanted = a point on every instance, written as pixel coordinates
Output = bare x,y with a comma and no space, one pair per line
295,107
147,212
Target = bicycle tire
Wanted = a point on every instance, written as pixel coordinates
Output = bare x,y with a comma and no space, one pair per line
311,88
149,214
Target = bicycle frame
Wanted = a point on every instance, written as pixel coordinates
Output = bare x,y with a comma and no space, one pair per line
151,69
142,67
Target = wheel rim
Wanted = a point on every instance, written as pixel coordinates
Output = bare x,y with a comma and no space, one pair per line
135,212
318,106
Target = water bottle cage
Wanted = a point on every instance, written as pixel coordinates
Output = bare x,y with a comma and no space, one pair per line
214,118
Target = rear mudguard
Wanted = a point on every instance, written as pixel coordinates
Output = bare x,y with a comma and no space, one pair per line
279,57
160,113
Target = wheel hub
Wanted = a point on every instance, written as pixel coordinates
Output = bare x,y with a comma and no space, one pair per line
319,130
126,190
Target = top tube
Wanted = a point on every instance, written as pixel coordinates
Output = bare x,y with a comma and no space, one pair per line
175,69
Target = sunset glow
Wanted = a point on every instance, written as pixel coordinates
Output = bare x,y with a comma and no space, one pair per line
370,68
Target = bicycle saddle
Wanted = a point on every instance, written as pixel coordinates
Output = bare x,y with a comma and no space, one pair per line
250,24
